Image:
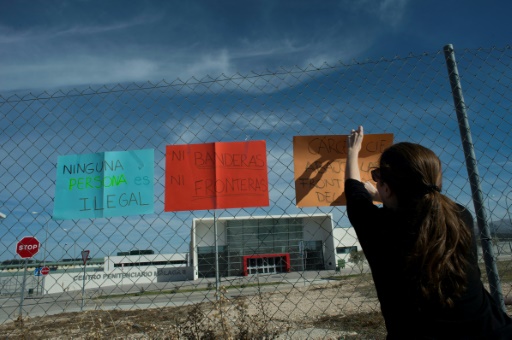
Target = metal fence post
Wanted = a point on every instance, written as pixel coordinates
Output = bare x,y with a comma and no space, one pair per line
22,296
217,276
474,177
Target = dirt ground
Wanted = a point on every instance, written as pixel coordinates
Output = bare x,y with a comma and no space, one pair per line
347,309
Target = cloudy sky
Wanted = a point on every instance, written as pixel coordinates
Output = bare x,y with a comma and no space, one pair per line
55,44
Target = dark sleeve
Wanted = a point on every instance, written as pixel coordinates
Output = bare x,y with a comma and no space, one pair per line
361,211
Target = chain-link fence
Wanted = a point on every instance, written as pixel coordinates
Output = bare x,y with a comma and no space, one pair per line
280,268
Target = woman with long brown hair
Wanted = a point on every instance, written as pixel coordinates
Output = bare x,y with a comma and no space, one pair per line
420,247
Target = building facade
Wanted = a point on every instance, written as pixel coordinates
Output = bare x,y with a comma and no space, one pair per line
266,245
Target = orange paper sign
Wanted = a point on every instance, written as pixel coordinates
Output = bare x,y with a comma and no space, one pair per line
216,176
319,163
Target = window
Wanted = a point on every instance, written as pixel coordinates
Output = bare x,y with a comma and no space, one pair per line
154,263
345,250
255,236
210,249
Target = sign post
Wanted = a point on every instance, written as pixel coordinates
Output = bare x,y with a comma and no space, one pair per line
26,248
37,274
85,256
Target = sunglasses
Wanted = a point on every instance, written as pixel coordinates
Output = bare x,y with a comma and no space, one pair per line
375,174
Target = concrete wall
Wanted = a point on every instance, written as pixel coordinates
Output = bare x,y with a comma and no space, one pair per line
126,260
319,228
64,282
345,237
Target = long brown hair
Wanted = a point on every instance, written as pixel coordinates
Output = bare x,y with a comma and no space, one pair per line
443,244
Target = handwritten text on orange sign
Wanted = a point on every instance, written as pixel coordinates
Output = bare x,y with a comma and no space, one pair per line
320,161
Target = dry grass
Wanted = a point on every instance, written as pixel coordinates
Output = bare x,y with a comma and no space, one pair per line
288,312
345,309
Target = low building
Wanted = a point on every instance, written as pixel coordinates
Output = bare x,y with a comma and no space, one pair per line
119,271
145,260
245,245
268,244
346,241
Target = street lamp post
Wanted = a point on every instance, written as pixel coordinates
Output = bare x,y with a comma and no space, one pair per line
493,223
491,210
66,249
46,237
74,244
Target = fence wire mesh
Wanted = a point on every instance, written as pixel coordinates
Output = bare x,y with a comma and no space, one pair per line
139,263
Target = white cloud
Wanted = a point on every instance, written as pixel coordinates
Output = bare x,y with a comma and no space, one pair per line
75,70
9,36
96,29
213,64
124,50
389,12
41,35
269,47
87,67
392,11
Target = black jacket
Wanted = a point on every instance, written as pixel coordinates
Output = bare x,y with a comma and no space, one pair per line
386,243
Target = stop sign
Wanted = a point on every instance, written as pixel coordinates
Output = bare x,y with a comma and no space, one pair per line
45,271
27,247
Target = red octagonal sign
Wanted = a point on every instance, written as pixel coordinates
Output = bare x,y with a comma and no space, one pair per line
27,247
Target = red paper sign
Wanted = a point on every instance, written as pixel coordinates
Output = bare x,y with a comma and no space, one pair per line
216,176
